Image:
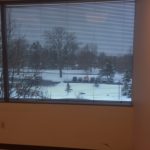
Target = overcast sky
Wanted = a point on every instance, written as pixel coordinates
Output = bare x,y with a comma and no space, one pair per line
107,24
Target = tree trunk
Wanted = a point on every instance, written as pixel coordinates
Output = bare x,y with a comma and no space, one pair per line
60,72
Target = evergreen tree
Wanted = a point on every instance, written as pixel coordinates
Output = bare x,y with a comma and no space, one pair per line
127,86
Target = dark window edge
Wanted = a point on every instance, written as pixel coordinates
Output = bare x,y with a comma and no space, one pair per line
70,102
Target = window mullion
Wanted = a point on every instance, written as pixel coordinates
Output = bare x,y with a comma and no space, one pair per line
4,53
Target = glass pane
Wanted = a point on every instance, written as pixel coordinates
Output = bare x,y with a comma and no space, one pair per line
74,51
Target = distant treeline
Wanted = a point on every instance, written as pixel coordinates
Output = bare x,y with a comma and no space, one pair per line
61,50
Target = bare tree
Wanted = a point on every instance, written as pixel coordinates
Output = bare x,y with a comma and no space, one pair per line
87,57
17,53
64,43
108,71
22,82
35,56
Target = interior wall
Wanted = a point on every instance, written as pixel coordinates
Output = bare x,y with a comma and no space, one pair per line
142,76
80,126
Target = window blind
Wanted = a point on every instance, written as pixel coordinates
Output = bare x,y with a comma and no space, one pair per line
71,51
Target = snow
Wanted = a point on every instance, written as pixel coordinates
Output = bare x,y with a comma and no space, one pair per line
84,91
68,75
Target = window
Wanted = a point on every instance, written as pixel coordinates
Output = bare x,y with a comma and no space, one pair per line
70,52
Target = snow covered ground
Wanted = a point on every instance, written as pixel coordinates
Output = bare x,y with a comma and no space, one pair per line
87,91
69,74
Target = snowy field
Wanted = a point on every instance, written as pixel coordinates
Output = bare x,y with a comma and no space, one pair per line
87,91
53,75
